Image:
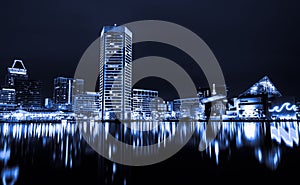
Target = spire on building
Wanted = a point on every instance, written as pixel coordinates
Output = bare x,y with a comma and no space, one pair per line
18,68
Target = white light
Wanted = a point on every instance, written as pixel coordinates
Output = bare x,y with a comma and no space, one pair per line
259,155
286,106
217,152
250,130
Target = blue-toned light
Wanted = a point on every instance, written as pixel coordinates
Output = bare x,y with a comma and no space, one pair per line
285,105
114,168
250,130
5,155
217,152
259,155
285,132
10,175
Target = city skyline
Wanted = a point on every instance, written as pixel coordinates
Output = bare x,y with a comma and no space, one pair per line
115,92
117,100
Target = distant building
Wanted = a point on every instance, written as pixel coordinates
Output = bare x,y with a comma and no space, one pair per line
213,101
64,91
142,102
87,104
27,92
7,99
159,109
189,108
49,103
62,94
170,106
78,86
115,81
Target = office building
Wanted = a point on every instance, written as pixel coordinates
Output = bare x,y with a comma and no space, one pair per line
115,81
189,108
62,94
7,99
87,104
27,91
143,102
64,91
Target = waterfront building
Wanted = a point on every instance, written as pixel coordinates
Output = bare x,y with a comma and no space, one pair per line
64,91
27,91
143,103
62,94
213,101
87,104
189,108
115,79
263,100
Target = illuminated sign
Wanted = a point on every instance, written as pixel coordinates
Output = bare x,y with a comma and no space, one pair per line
285,105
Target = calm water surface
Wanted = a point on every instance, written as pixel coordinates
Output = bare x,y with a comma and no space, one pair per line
48,153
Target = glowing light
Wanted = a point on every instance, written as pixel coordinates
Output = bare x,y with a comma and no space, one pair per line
250,130
259,155
286,133
114,168
5,155
217,152
286,106
10,176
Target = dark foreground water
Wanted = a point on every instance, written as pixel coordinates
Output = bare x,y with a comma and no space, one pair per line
45,153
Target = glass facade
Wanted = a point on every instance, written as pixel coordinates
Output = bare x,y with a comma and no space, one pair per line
142,103
115,80
63,89
86,104
27,91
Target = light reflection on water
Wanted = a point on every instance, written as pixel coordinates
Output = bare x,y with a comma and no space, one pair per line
64,147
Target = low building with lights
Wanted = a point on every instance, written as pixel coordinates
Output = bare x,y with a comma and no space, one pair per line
264,101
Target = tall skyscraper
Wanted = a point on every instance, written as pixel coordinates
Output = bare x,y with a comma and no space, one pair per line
62,94
27,92
115,81
64,91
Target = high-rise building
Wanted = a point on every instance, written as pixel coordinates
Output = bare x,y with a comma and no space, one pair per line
27,92
64,91
143,102
62,94
115,80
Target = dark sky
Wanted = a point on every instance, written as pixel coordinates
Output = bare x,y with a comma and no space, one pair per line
249,38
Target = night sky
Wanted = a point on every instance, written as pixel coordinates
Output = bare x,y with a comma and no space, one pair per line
250,39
